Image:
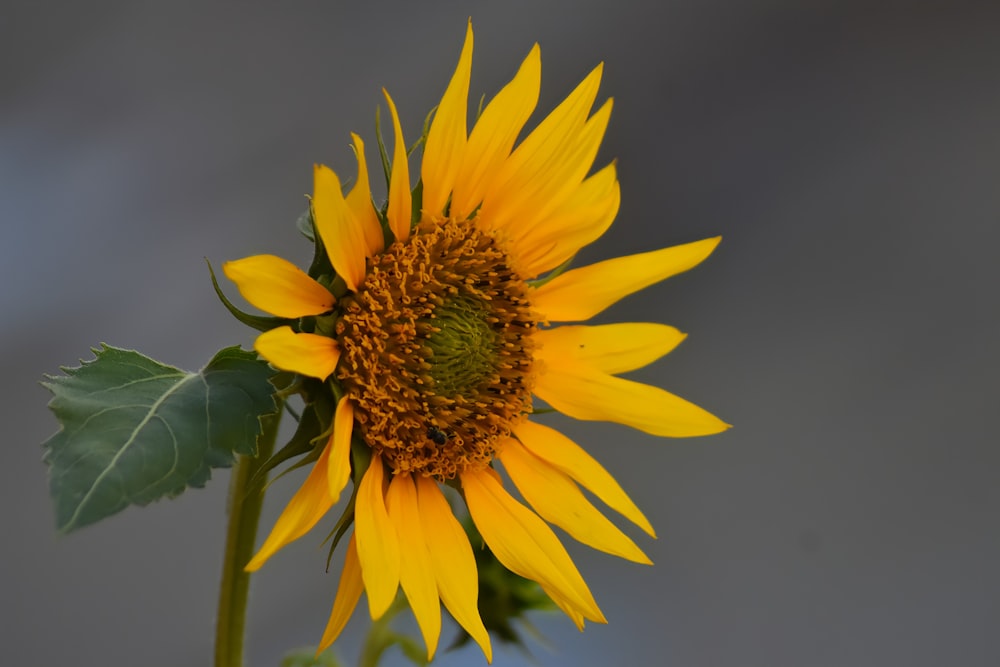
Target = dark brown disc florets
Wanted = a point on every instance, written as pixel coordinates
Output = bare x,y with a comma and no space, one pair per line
437,350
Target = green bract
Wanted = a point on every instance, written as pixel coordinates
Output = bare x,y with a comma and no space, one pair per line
135,430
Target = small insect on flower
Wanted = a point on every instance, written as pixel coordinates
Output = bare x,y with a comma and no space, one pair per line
438,436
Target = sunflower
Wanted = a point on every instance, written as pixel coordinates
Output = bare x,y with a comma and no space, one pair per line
435,336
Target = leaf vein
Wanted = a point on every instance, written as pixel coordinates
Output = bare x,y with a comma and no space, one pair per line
128,384
136,495
128,443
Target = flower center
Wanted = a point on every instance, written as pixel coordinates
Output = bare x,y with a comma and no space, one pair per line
462,343
436,350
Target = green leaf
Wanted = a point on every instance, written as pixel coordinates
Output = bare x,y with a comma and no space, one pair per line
135,430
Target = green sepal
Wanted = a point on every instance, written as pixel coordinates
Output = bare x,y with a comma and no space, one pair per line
321,264
300,443
285,383
416,202
479,109
258,322
304,224
423,133
134,430
315,425
383,221
361,458
383,155
345,521
551,274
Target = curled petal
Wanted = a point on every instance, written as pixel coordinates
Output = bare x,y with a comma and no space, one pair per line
342,234
359,201
277,286
305,353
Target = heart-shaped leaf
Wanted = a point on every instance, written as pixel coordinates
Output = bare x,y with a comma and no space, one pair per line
135,430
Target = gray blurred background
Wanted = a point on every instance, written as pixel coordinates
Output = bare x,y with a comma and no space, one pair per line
847,326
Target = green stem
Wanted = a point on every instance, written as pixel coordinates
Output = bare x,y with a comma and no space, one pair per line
241,535
380,635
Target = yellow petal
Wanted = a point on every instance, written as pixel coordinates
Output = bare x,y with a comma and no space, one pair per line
277,286
588,394
447,135
581,293
303,511
554,447
416,575
612,348
523,543
453,562
400,200
348,593
579,221
340,446
304,353
512,191
566,607
378,545
561,176
558,500
494,135
359,201
342,234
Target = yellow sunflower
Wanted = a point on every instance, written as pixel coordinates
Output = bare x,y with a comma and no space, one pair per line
437,333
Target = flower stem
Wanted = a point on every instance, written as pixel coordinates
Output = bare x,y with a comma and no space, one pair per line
241,534
380,635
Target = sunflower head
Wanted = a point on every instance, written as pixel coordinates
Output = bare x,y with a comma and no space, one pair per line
426,326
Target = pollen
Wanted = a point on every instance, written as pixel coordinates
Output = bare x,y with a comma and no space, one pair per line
437,350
